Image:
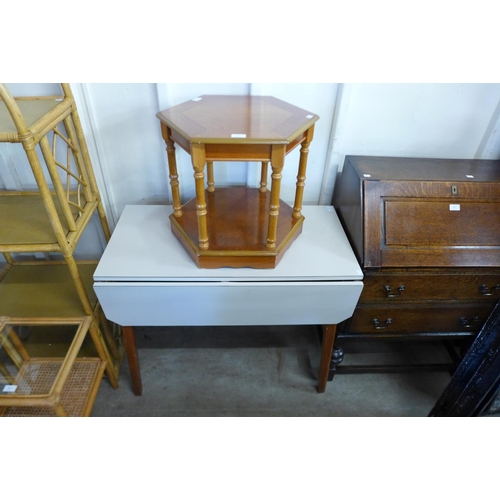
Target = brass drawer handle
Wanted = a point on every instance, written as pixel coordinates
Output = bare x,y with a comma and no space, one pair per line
469,323
390,295
484,290
378,326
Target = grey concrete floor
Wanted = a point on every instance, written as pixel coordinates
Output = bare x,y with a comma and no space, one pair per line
268,371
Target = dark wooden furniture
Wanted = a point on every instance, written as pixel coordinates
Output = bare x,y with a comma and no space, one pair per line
427,235
476,381
237,227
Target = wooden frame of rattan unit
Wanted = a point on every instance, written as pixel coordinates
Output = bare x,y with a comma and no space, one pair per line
29,120
53,400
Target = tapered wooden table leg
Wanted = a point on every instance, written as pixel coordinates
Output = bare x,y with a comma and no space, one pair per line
133,359
329,332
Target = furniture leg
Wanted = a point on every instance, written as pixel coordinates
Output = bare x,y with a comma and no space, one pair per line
94,330
301,176
133,359
263,177
172,167
277,163
210,177
104,220
198,160
329,332
337,358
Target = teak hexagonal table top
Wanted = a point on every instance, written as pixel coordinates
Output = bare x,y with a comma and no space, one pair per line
237,227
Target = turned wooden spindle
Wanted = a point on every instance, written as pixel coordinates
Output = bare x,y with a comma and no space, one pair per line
172,167
210,177
198,160
263,177
301,176
277,163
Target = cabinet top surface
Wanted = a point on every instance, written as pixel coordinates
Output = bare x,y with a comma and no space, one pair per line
424,169
237,120
143,248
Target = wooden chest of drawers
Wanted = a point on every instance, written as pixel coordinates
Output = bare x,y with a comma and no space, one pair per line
427,235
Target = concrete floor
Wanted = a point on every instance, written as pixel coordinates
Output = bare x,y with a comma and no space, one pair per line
271,371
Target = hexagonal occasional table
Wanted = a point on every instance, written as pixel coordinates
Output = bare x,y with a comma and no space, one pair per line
237,226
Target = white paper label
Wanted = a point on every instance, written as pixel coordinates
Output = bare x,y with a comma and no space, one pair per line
309,116
454,207
197,99
469,176
9,388
366,175
239,136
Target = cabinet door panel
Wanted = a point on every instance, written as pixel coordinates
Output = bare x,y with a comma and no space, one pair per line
418,222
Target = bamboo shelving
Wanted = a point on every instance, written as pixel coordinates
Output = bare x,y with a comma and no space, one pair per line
51,219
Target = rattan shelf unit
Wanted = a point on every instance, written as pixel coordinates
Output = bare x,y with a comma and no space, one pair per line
53,217
57,386
41,289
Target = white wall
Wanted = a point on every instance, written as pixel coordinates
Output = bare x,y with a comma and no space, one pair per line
416,120
422,120
124,119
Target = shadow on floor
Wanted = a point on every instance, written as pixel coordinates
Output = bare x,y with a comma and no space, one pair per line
268,371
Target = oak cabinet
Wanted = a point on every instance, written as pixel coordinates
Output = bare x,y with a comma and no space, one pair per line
426,233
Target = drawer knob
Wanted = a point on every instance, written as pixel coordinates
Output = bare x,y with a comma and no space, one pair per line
390,295
469,323
381,326
484,290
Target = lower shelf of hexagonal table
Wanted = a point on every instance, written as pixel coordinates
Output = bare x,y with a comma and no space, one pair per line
77,397
237,225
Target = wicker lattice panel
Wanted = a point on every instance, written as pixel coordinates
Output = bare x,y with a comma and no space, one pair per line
74,396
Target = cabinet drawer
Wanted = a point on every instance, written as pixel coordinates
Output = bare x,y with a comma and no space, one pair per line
424,285
442,318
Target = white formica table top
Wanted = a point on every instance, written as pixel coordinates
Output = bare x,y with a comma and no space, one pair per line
143,249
